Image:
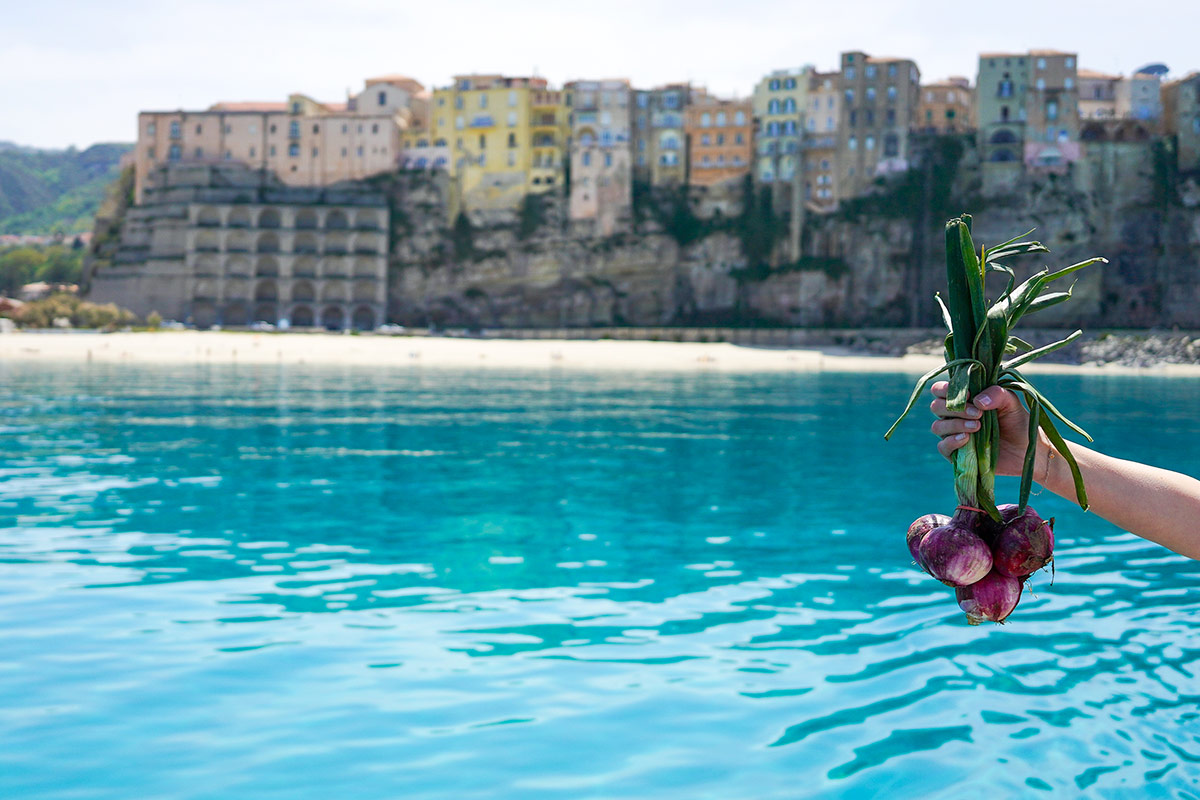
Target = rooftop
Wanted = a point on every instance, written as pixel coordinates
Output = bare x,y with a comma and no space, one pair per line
1092,74
248,105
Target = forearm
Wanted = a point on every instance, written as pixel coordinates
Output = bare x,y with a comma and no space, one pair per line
1155,504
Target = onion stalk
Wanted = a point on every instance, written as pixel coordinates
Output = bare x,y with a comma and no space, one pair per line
981,351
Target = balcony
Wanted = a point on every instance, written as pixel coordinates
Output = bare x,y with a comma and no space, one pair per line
482,121
545,121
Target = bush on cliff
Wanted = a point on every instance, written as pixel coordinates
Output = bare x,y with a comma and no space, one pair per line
80,314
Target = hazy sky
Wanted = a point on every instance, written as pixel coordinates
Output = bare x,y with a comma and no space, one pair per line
78,72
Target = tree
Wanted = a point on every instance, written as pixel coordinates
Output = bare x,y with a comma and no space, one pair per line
18,267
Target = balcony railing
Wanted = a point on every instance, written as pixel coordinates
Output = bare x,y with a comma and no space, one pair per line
482,121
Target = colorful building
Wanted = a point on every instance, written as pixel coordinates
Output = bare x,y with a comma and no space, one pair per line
946,107
601,163
487,122
780,104
1097,94
879,105
720,139
1139,96
659,140
821,140
1028,108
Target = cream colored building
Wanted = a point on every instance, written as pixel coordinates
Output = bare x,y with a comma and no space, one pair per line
780,103
946,107
1097,94
302,141
821,140
601,157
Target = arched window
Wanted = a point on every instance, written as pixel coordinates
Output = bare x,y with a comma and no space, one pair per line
789,106
721,119
706,120
773,107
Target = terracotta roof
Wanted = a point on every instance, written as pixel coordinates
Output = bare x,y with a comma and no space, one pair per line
248,106
1091,73
399,80
1050,53
885,59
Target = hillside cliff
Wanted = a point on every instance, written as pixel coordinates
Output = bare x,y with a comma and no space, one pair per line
878,261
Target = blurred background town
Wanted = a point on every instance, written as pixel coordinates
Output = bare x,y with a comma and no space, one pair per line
814,199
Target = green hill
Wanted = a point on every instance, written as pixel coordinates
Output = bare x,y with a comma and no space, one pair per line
47,191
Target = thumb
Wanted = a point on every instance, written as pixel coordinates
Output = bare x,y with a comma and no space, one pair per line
997,399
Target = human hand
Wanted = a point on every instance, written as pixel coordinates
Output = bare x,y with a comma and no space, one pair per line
955,428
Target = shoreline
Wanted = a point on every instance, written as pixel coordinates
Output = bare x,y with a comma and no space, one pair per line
225,347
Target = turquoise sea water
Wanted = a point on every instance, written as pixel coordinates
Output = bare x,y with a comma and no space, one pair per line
236,582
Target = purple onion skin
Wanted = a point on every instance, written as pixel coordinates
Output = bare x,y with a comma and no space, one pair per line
1024,546
917,531
992,598
955,555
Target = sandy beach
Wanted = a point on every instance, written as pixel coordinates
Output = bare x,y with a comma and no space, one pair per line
219,347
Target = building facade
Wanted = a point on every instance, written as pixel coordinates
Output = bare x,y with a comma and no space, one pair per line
780,104
1097,94
1139,96
720,137
226,245
659,141
1028,108
488,124
821,140
946,107
879,104
1181,117
302,141
601,158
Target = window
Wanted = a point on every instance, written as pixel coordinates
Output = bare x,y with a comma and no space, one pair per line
870,94
1069,62
459,122
360,151
772,129
773,107
891,70
512,118
314,152
705,120
1040,83
1068,83
294,130
174,153
482,142
175,133
482,100
671,101
1005,88
853,117
789,106
608,159
512,140
740,139
483,159
228,128
721,119
316,128
252,152
812,124
586,160
790,83
720,139
458,102
199,130
1041,63
344,152
1052,110
293,149
829,102
871,71
825,164
740,117
773,85
375,128
849,95
869,143
891,93
789,128
705,140
199,152
852,143
849,73
643,100
150,153
512,98
151,128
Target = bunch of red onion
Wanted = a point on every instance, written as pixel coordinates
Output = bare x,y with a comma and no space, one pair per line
987,562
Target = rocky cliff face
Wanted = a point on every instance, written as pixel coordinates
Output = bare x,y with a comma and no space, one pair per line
878,266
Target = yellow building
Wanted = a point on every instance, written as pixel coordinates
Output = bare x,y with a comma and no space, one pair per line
780,103
505,138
